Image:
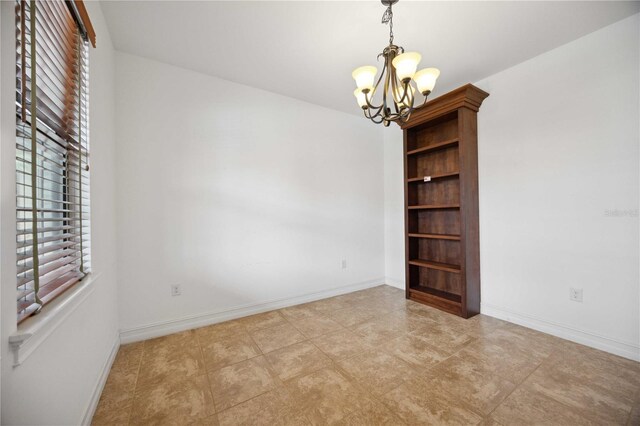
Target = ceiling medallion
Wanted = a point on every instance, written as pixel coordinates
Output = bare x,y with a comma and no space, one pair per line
398,71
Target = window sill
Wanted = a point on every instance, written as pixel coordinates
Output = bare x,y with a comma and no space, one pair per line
36,329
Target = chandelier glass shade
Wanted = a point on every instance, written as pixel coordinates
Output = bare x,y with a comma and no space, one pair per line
396,81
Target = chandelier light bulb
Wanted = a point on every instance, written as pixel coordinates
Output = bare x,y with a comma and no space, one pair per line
406,64
364,77
361,98
426,79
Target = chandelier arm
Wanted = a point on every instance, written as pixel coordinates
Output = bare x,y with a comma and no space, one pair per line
406,94
395,92
384,68
374,117
375,88
384,115
378,118
412,94
377,121
371,115
367,113
369,104
410,98
405,118
392,116
377,112
387,59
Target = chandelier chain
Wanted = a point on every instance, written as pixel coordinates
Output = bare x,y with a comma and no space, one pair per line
387,18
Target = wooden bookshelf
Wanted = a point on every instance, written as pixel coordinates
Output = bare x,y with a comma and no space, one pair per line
441,202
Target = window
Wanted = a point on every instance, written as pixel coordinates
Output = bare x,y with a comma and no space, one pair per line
52,150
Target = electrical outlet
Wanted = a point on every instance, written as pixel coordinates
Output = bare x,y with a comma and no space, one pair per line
344,264
176,290
575,294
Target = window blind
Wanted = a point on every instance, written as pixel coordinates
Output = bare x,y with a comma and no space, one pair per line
52,152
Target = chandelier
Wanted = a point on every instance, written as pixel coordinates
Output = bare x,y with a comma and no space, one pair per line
398,71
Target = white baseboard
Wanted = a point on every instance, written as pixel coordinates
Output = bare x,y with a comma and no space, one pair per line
163,328
394,282
102,380
616,347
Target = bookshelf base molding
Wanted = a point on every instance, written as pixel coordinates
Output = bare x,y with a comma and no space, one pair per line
442,238
429,297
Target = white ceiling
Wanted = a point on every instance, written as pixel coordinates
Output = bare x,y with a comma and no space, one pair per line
307,50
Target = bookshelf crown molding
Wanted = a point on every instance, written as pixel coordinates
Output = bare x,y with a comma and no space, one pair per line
467,96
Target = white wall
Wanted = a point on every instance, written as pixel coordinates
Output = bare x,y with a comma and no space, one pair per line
241,196
394,207
558,148
56,383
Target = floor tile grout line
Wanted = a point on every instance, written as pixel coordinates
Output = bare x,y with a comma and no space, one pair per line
347,357
464,347
313,337
278,381
420,373
637,399
206,373
242,402
518,385
262,353
378,399
268,361
569,407
453,354
366,390
135,385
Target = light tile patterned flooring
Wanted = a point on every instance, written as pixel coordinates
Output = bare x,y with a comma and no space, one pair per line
367,358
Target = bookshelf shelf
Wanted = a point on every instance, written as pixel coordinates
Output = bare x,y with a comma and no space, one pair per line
433,147
435,236
433,177
434,206
435,265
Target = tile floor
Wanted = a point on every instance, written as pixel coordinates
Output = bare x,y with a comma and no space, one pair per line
367,358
